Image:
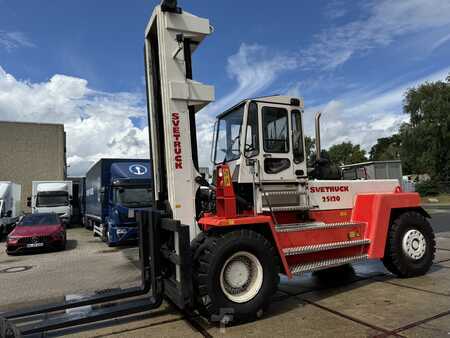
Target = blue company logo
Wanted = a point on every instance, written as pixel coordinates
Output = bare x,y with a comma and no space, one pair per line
137,169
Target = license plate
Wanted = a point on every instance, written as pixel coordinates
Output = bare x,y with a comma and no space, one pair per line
35,245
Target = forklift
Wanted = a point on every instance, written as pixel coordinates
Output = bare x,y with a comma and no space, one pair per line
220,248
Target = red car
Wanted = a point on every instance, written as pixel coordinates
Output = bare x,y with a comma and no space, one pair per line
37,231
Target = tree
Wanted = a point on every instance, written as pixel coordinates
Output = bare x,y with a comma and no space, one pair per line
425,140
346,153
310,148
386,148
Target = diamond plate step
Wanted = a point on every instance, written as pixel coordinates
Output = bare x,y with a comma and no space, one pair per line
313,226
286,192
330,263
298,250
290,208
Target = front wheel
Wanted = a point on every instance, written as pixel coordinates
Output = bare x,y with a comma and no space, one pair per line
410,245
235,276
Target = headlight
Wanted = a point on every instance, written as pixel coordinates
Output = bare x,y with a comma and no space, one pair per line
13,238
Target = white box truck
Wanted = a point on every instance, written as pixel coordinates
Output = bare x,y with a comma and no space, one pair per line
52,196
10,208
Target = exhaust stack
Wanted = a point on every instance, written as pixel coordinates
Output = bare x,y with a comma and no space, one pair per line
318,150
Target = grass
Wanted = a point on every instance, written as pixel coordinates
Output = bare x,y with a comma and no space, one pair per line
438,199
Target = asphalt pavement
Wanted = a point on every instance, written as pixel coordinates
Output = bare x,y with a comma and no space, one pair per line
440,218
87,265
366,301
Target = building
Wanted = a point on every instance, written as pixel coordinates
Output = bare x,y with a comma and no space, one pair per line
32,152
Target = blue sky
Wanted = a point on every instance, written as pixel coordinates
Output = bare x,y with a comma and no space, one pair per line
80,63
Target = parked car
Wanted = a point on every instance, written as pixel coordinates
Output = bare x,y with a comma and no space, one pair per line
37,231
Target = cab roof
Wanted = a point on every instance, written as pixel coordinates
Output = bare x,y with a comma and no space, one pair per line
274,99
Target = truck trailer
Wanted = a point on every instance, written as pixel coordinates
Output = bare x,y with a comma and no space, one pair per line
10,205
114,188
219,249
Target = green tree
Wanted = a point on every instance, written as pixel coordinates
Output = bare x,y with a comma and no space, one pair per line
346,153
425,140
386,148
310,148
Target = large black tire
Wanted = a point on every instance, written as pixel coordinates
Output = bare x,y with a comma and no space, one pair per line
213,263
410,246
197,245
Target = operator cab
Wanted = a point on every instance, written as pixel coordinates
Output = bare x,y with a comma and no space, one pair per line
261,140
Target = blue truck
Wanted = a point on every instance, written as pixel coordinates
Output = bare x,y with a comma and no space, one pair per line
114,188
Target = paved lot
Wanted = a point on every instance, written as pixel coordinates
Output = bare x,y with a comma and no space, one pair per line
365,301
85,266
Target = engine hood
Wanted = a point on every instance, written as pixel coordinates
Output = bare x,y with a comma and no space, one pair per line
36,230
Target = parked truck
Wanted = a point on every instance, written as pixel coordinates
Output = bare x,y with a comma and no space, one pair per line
114,189
10,208
52,196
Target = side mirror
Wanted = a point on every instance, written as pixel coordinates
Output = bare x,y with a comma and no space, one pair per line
29,202
9,213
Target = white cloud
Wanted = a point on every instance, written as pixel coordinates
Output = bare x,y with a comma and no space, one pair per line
442,41
254,68
335,10
12,40
363,118
97,124
381,23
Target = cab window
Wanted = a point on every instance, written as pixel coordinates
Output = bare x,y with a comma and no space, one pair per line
297,137
252,135
275,130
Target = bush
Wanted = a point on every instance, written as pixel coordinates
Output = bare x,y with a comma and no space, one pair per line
427,188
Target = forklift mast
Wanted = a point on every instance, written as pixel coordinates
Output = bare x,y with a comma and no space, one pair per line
174,98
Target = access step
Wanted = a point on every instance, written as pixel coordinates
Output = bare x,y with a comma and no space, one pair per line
314,226
288,208
299,250
325,264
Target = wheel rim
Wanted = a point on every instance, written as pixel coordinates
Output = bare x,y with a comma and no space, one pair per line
414,244
241,277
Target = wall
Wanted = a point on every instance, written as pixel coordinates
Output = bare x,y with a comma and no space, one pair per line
31,152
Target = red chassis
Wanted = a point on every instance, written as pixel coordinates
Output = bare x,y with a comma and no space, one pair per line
359,232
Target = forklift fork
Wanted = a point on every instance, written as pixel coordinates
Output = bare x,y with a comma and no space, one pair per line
159,238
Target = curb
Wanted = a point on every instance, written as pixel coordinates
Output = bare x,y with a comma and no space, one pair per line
435,206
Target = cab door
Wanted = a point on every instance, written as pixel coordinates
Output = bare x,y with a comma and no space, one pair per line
276,160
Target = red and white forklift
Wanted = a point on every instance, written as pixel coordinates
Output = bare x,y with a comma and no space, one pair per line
220,248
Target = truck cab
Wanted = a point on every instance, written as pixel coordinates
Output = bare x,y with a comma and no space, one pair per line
115,188
261,141
52,196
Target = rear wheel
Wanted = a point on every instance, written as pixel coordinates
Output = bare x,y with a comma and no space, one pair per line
410,245
235,276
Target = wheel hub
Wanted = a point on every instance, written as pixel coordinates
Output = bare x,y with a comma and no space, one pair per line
241,277
414,244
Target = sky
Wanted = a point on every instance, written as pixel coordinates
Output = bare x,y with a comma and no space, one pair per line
81,63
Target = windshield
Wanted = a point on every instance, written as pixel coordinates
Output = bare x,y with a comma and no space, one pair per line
52,199
227,146
133,197
39,219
